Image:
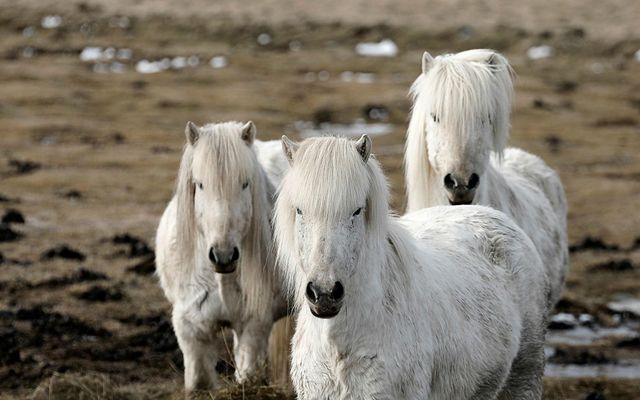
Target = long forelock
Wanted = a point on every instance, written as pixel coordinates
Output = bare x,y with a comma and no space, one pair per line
330,178
223,158
462,91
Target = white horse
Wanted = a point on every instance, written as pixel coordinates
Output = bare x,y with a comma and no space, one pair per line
445,303
214,251
455,153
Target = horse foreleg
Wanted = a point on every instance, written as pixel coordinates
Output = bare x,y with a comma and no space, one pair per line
200,348
250,351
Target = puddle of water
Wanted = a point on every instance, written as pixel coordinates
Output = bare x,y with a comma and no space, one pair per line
51,21
582,335
264,39
628,305
356,129
540,52
358,77
627,370
218,62
384,48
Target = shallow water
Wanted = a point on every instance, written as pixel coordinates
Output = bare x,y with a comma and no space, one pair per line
626,370
356,129
583,335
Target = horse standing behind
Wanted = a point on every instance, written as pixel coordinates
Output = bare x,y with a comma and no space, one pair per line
214,255
444,303
455,153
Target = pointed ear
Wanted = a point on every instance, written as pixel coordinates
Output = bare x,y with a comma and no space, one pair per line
363,145
192,132
249,132
289,147
492,60
427,62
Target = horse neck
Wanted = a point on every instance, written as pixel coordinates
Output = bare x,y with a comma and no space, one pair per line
491,190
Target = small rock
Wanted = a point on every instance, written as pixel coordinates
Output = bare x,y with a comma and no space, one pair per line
144,267
63,251
562,321
595,396
566,86
578,356
633,343
7,234
72,194
553,142
626,306
137,246
101,294
590,243
623,265
24,166
376,112
12,216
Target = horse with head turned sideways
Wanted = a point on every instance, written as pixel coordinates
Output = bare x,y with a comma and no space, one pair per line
214,251
443,303
455,153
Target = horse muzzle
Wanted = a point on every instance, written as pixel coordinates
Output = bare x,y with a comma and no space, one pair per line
324,304
224,262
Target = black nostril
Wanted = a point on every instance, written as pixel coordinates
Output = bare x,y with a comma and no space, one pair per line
236,254
474,180
212,256
338,291
311,293
449,182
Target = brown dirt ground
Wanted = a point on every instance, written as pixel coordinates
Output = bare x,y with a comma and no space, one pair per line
115,139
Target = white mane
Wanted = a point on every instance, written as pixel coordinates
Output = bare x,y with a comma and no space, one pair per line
229,162
462,91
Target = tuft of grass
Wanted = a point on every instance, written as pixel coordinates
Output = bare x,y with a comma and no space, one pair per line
93,386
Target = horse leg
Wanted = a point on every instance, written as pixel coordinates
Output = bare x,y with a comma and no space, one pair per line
525,377
250,350
200,348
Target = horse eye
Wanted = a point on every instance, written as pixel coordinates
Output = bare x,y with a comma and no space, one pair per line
298,211
245,185
357,211
200,185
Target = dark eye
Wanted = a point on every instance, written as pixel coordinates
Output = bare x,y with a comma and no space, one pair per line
435,118
245,185
200,185
298,211
357,211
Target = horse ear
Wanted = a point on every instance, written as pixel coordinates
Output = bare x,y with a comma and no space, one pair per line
289,147
427,62
249,132
363,145
192,132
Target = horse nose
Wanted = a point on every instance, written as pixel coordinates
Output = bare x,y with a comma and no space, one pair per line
325,303
460,190
473,181
316,295
456,183
224,261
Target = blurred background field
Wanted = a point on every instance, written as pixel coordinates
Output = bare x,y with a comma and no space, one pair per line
94,96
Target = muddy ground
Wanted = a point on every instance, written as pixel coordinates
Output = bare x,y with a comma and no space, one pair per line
89,152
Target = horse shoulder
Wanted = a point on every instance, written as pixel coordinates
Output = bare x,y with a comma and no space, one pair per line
272,159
